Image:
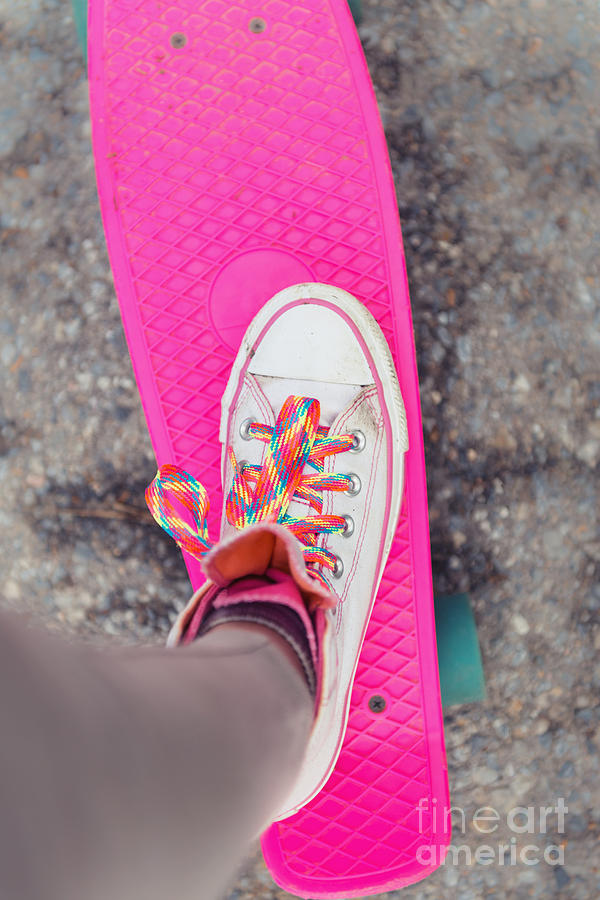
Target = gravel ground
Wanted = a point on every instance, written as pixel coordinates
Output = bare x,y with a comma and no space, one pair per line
492,119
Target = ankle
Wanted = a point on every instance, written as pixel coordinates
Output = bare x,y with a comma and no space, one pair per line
273,639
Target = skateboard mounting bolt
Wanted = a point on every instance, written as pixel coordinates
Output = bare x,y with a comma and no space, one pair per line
178,40
377,703
257,26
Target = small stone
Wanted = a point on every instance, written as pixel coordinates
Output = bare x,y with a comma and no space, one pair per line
463,348
534,45
503,439
35,480
11,590
72,329
491,78
592,548
459,539
502,728
388,45
526,138
84,380
583,294
541,726
566,770
589,452
561,876
479,742
484,775
7,327
8,354
437,353
520,624
521,384
514,707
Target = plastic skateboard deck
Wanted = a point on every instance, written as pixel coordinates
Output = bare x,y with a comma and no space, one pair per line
239,150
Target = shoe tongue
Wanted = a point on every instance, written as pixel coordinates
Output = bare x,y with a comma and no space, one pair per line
333,398
298,509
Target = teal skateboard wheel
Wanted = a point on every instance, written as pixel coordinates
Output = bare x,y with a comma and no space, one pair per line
459,657
356,10
80,17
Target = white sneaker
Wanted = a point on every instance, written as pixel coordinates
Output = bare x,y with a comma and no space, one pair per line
318,341
314,434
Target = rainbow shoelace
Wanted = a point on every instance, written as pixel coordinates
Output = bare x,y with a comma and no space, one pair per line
264,493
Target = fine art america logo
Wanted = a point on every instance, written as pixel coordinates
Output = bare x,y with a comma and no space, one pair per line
504,848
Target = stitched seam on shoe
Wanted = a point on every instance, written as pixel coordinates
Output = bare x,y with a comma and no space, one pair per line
365,396
368,504
259,397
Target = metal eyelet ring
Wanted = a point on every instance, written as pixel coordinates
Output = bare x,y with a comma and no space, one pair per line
356,485
349,526
245,430
360,441
242,463
338,569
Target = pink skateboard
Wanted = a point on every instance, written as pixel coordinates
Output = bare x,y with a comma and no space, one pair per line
239,151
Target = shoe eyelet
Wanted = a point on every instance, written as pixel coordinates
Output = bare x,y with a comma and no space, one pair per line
356,485
338,569
360,442
349,526
242,463
245,430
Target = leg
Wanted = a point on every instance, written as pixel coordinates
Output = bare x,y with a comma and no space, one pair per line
142,773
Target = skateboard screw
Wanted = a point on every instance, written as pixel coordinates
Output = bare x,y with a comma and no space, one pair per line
178,40
257,26
376,703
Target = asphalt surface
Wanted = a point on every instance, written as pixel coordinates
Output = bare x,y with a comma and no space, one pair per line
491,114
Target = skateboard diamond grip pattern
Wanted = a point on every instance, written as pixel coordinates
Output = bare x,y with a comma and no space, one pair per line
231,163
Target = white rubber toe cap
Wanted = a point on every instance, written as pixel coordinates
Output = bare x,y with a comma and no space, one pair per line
312,343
